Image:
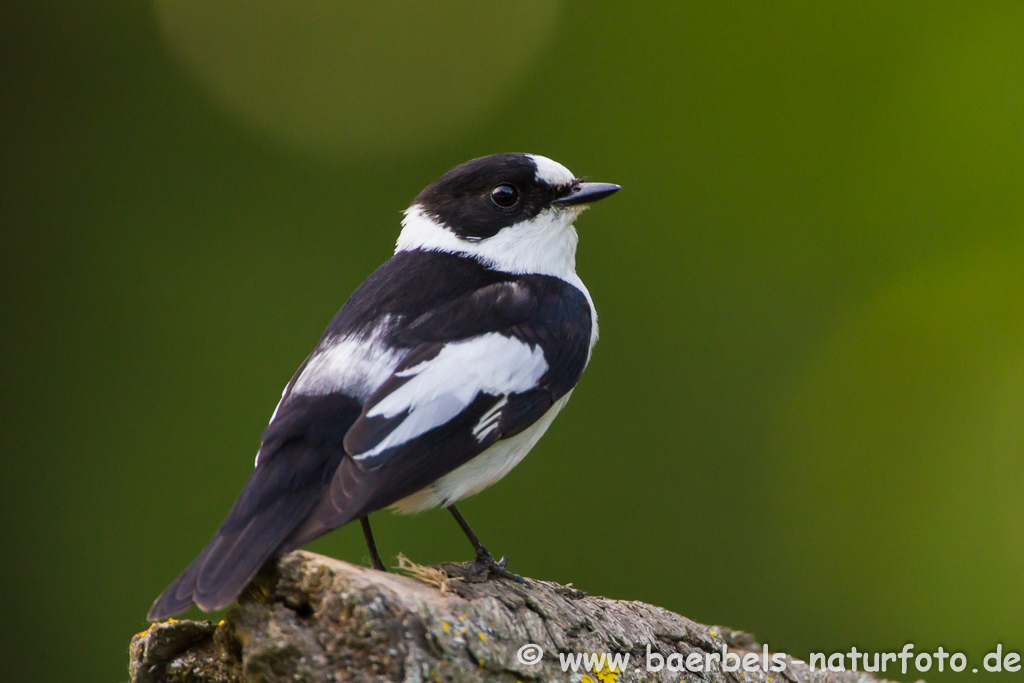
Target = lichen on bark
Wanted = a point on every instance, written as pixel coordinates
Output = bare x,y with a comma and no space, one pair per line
311,618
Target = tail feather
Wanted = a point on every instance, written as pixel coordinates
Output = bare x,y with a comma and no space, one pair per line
178,596
280,493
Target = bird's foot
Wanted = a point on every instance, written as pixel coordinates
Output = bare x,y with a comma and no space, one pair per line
485,565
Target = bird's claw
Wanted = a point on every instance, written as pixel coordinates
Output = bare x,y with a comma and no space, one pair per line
485,565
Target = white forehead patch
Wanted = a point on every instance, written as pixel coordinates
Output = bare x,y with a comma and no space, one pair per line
551,172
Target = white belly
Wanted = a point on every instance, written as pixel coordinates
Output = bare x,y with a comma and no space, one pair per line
483,470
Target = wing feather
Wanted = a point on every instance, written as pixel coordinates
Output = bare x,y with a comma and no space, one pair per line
437,383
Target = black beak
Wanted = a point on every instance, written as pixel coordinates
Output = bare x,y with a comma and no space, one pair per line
585,193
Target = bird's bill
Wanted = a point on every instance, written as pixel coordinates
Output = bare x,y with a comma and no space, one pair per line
586,193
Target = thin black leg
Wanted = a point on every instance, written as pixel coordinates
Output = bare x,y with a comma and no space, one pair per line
377,564
478,546
485,562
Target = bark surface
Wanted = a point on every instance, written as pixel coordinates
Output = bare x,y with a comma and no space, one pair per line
312,618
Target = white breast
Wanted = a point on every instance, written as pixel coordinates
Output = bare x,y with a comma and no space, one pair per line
483,470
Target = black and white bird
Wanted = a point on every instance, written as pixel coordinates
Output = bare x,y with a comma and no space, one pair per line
437,376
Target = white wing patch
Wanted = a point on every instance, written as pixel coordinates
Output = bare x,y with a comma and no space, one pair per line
273,416
284,392
483,470
356,364
489,421
442,387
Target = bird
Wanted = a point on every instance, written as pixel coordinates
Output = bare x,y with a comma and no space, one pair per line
437,376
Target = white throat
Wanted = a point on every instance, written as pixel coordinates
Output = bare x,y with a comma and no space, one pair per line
545,245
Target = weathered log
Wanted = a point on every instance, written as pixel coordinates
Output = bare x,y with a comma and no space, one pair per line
312,618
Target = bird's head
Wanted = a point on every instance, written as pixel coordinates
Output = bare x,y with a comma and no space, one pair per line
513,212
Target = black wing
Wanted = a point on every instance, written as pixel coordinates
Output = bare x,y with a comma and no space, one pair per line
528,339
483,368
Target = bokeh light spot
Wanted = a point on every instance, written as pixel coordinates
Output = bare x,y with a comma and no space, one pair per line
902,438
329,78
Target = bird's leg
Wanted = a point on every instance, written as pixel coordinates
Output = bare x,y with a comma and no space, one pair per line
377,564
484,562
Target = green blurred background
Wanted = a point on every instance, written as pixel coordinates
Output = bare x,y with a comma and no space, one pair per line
805,417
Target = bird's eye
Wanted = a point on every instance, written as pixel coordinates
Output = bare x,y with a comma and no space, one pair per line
505,195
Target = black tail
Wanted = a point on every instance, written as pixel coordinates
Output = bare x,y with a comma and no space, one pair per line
279,495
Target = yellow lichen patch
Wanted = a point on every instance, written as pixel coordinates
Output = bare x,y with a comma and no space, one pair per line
608,673
483,636
587,679
151,627
446,627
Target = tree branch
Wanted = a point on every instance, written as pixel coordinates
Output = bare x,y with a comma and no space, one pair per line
312,618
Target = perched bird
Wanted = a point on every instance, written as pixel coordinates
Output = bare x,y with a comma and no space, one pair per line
437,376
